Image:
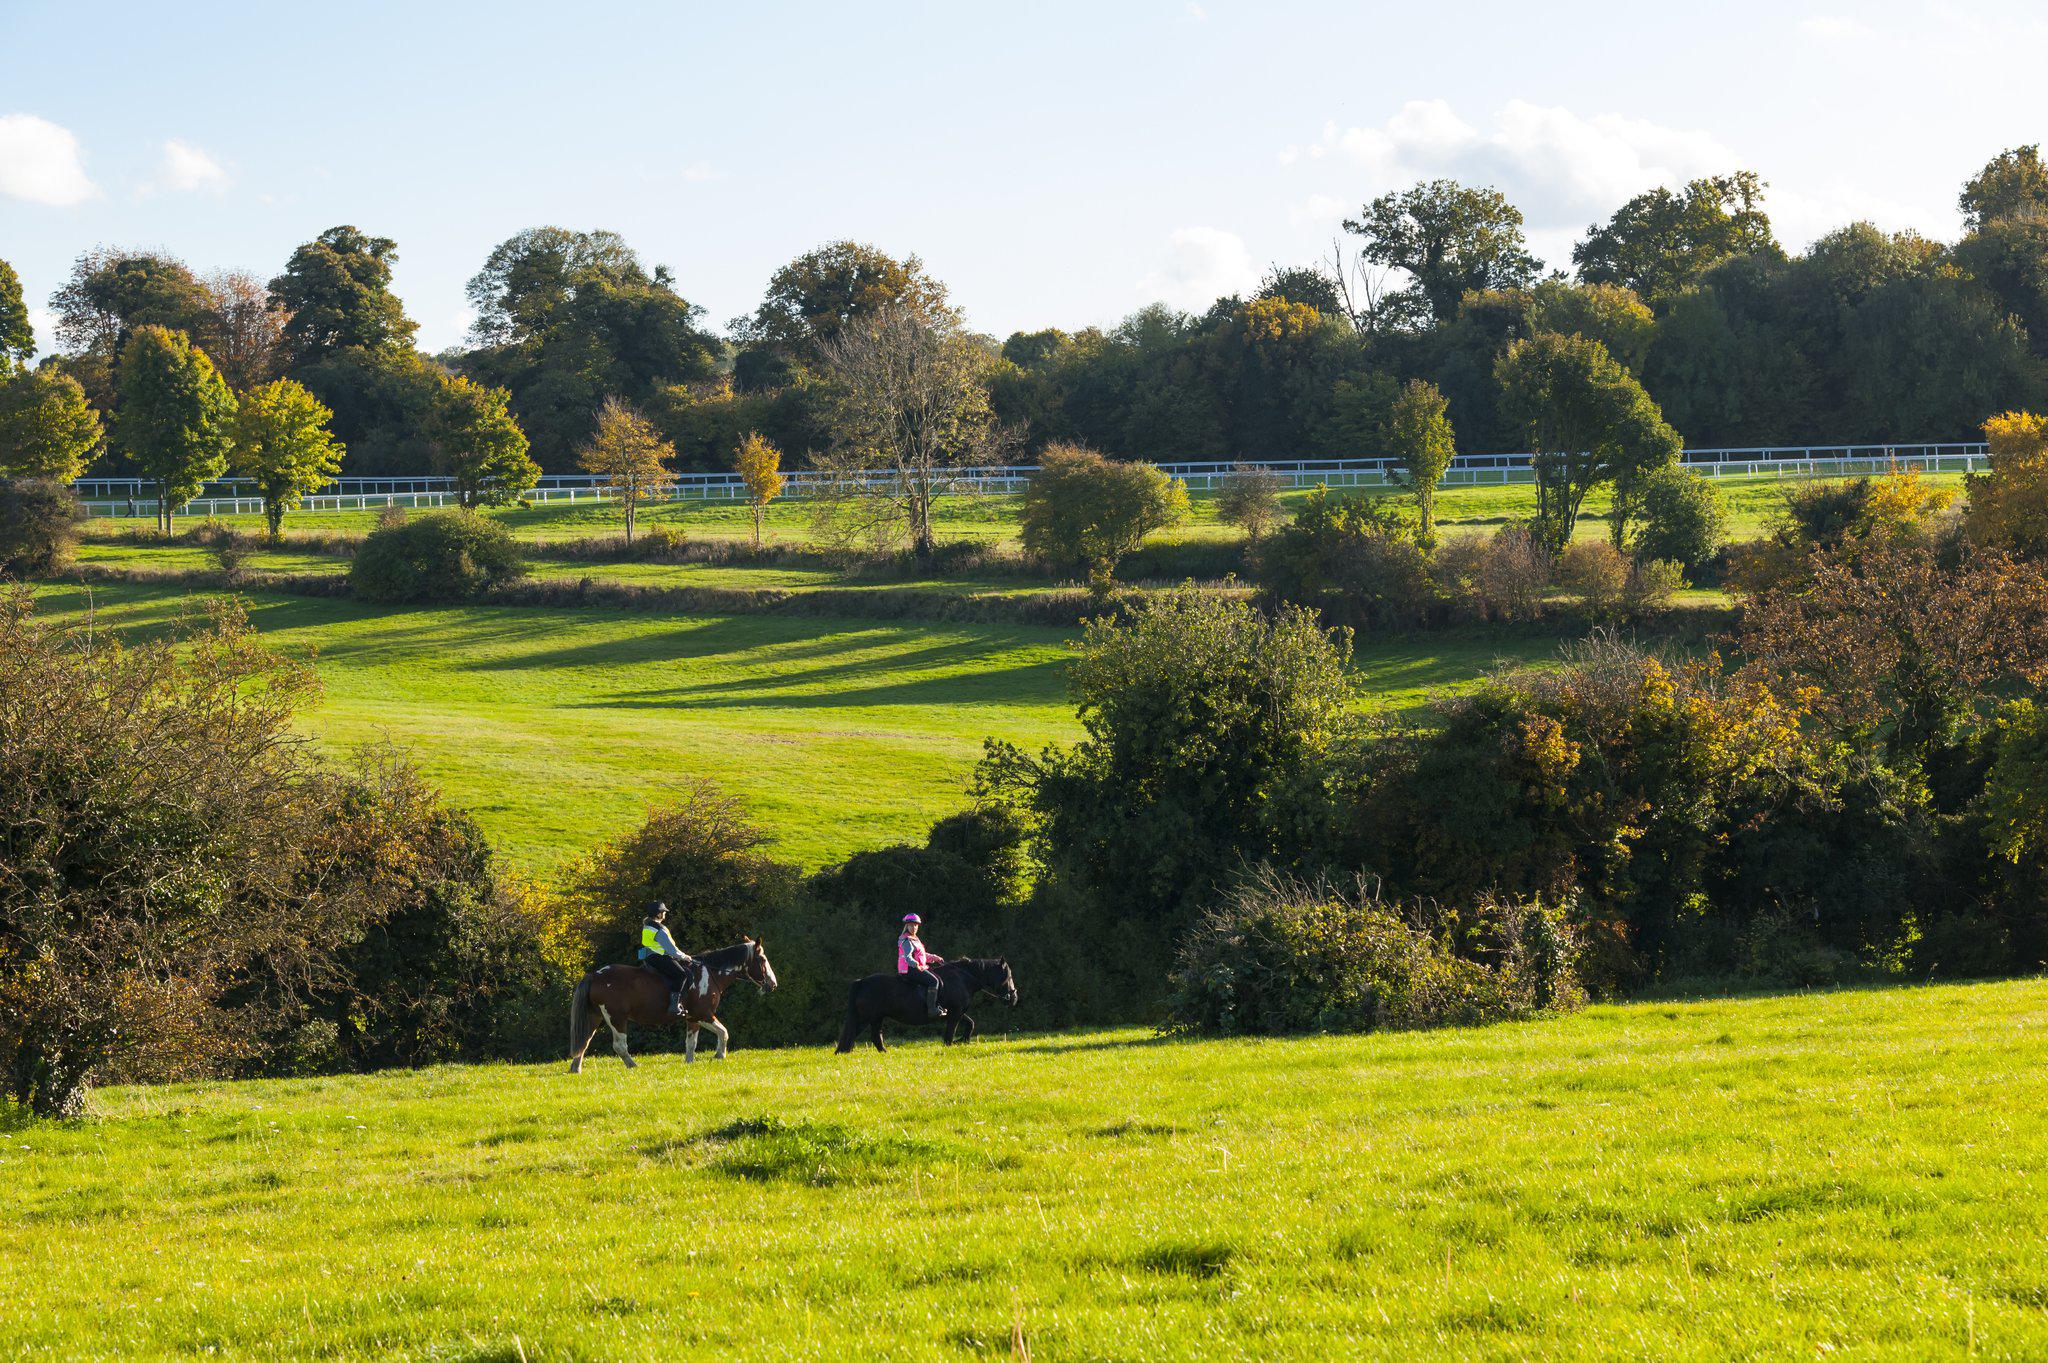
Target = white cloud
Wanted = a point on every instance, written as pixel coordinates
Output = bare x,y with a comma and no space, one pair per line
1559,167
1831,28
42,163
185,169
44,322
1197,14
1200,265
699,172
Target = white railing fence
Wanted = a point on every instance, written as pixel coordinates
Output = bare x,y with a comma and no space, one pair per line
118,497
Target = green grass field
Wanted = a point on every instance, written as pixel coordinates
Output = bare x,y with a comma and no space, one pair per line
558,728
1752,503
1855,1175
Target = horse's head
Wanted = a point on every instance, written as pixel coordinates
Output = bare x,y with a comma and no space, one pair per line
1001,983
757,968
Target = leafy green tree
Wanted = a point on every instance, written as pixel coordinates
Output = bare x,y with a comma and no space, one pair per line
1661,241
337,291
1205,718
111,294
175,416
529,277
17,337
2009,257
1924,358
1588,422
478,443
383,403
815,297
1419,435
630,455
282,444
2014,184
1680,518
1306,285
1608,313
566,320
47,428
1084,511
1452,238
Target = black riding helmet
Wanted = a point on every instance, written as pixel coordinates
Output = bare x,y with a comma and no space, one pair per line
656,910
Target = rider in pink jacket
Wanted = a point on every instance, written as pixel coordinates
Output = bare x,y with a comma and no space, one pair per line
913,960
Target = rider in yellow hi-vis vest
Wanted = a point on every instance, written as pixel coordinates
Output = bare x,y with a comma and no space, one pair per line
659,953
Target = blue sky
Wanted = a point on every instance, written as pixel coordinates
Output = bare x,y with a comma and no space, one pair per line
1054,163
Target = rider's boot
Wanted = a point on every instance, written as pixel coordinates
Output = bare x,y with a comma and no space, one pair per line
675,1003
931,1005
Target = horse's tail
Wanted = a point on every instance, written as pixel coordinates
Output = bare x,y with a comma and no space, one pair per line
851,1031
579,1019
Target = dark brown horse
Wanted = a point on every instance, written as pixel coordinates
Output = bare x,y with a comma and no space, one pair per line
623,996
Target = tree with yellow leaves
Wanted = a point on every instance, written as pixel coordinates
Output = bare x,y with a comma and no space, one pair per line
2009,505
760,468
629,453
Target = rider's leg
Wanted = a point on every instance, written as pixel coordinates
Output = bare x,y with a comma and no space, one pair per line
928,985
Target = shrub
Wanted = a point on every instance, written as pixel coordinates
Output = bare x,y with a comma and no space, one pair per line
451,961
1683,519
1084,511
1595,572
441,556
1205,719
1285,957
1652,582
700,855
150,817
1355,559
1249,499
38,526
1498,577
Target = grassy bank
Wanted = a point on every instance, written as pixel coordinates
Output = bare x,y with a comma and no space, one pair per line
1849,1175
558,728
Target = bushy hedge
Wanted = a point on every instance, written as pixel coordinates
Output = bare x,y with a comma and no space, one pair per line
440,556
1284,957
38,526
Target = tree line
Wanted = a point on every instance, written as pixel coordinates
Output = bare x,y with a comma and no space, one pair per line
1864,336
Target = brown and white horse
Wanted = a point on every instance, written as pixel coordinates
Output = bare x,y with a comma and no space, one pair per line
629,995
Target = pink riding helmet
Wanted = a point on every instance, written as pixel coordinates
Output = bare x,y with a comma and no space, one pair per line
912,918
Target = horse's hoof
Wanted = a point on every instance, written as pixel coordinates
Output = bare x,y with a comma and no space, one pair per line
575,1067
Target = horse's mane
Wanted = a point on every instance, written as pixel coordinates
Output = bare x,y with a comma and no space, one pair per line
982,967
726,957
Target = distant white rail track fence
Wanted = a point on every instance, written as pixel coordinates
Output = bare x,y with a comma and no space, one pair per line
237,496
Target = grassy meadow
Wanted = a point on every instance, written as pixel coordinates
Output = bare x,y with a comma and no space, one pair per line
1753,503
1851,1175
558,728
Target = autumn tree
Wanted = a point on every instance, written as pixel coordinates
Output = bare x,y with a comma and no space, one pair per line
1587,421
174,417
478,443
760,468
47,428
248,329
1452,238
2013,185
1419,436
630,455
283,445
2009,504
912,423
